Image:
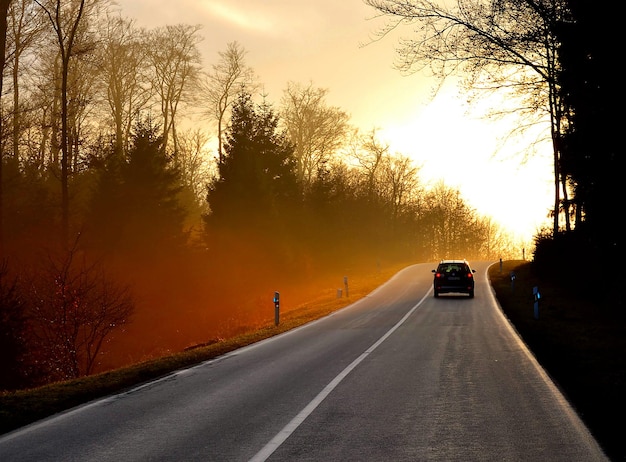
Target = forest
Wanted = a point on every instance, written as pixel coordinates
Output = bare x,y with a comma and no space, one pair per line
127,233
555,59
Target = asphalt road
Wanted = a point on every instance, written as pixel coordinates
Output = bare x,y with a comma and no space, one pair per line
398,375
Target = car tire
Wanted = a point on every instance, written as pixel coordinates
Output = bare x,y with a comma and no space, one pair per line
436,294
471,294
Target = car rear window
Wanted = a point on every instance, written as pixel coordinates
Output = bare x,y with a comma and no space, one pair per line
450,267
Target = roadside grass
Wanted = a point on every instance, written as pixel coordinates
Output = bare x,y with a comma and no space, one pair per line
579,341
22,407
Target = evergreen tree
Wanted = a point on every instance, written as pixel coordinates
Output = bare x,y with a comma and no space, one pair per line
257,181
136,206
12,329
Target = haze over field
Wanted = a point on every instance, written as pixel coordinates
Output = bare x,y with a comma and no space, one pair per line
129,231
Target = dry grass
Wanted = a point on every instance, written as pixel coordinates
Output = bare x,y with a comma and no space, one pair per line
26,406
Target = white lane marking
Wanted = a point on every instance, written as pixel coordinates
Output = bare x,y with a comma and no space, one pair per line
282,435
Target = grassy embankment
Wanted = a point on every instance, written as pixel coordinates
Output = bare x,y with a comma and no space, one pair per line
26,406
580,342
581,346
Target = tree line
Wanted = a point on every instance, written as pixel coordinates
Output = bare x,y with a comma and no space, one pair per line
107,199
555,60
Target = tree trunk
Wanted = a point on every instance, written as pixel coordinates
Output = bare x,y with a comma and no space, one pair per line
4,8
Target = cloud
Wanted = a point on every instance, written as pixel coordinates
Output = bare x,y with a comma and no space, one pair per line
248,20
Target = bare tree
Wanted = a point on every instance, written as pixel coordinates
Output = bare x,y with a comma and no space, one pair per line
369,152
65,17
124,75
399,182
25,31
81,97
4,7
19,25
75,308
193,164
175,62
228,77
497,242
446,220
43,100
316,130
504,44
196,172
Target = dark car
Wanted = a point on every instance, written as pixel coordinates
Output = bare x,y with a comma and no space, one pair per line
454,276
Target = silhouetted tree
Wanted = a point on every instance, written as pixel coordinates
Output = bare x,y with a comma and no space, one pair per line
26,27
4,8
65,19
508,46
592,146
123,75
448,224
399,185
12,332
229,76
333,229
74,307
195,166
105,215
592,152
257,175
136,204
316,130
31,203
152,184
175,61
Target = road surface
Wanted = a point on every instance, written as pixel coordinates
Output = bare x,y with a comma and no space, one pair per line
398,375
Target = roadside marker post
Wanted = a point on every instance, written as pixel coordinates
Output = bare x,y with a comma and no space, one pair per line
276,308
536,297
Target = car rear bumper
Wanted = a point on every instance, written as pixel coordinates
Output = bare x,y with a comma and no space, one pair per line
450,289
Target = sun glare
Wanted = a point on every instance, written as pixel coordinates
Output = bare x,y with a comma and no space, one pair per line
509,182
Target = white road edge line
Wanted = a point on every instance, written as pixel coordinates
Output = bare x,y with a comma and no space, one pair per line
282,435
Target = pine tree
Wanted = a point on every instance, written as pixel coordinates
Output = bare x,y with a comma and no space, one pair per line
136,206
257,181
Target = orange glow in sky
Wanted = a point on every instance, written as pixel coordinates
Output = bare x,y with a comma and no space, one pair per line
321,42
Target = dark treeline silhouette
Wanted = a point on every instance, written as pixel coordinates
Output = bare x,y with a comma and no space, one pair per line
554,58
592,154
128,242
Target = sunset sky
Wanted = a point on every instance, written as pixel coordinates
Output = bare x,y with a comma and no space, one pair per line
329,43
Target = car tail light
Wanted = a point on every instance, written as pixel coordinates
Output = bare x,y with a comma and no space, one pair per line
469,275
437,275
